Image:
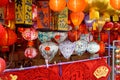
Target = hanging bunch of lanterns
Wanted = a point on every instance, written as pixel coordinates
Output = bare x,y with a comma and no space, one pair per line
30,34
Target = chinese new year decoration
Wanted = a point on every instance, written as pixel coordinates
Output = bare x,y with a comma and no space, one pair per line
115,4
2,65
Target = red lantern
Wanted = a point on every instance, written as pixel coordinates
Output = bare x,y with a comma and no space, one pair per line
2,65
108,26
102,48
77,18
76,5
57,5
8,38
115,4
116,26
2,31
3,3
104,36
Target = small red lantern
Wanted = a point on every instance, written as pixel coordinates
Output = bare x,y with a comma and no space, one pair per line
76,5
116,26
2,65
8,38
77,18
108,26
3,3
115,4
57,5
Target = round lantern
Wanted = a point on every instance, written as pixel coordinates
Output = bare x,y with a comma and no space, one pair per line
57,5
77,18
108,26
115,4
2,31
3,3
2,65
76,5
8,38
30,52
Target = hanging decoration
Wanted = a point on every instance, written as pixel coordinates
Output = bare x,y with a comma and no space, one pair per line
102,49
76,5
9,38
67,48
86,37
60,36
93,47
116,26
94,14
2,31
3,3
76,18
115,4
57,5
2,65
23,12
30,34
48,51
45,36
80,47
106,16
108,26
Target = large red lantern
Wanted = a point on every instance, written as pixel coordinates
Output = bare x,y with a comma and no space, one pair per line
2,31
8,38
76,5
77,18
115,4
3,3
2,65
57,5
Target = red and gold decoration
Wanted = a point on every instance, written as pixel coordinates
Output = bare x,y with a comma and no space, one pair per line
30,34
23,12
57,5
76,5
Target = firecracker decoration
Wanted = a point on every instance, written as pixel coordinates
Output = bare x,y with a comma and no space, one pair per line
23,12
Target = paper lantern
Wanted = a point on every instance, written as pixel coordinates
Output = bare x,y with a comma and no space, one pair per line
2,65
30,52
77,18
115,4
108,26
94,14
2,30
3,3
116,26
57,5
102,48
30,34
76,5
67,48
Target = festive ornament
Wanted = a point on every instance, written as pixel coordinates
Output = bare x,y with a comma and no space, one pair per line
60,36
9,38
45,36
76,5
2,31
3,3
73,35
116,26
48,51
106,16
80,46
93,47
57,5
77,18
108,26
94,14
67,48
83,29
115,4
2,65
30,52
102,48
30,34
104,37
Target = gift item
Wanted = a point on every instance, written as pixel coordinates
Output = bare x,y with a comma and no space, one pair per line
67,48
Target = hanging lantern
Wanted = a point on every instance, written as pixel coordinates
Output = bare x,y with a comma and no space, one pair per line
77,18
76,5
115,4
3,3
106,16
57,5
8,38
94,14
2,31
102,48
2,65
108,26
116,26
30,52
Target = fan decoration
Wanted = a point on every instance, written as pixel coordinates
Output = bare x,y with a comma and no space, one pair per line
48,51
67,48
60,36
45,36
80,46
93,47
30,34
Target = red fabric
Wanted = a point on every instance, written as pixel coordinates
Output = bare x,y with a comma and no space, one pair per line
75,71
